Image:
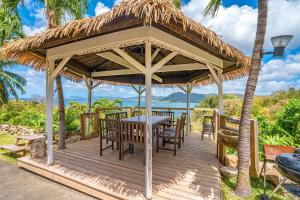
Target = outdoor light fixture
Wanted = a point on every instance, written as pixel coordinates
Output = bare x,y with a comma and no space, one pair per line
279,43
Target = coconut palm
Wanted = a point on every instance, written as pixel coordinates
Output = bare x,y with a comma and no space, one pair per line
243,180
177,3
10,27
57,12
9,82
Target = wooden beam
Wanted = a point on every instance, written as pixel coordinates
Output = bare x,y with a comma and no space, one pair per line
155,54
182,67
182,88
113,73
214,74
96,85
60,66
131,60
122,61
118,59
163,61
172,43
165,68
49,110
148,146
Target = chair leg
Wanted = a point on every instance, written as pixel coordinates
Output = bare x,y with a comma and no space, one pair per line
157,143
112,145
100,147
175,145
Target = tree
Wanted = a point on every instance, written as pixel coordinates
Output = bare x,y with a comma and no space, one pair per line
177,3
9,82
10,27
57,12
243,180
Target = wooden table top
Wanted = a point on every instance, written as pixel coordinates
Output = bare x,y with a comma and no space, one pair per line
30,137
142,119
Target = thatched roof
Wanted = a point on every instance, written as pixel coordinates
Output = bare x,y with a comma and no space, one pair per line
161,14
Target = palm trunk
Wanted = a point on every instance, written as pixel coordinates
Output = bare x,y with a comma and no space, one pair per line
61,114
243,180
61,104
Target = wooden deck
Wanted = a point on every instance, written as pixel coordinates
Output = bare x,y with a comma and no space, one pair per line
192,174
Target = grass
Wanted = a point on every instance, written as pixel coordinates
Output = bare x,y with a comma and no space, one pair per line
257,187
7,155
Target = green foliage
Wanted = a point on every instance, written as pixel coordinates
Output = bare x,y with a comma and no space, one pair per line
32,114
257,188
278,115
28,114
106,103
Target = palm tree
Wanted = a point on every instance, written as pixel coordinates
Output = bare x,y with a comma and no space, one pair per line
10,27
56,11
177,3
243,180
9,82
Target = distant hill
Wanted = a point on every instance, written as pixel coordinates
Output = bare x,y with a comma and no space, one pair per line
181,97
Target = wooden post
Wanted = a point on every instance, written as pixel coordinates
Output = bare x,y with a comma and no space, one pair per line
254,167
148,81
221,147
220,93
49,110
139,99
188,92
89,85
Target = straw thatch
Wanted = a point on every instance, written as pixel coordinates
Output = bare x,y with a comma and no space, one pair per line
149,12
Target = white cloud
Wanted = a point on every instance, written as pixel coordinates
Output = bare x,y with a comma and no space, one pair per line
237,25
275,75
101,8
32,30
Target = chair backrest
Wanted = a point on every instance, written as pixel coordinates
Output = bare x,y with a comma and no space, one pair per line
164,113
112,128
136,113
116,116
133,132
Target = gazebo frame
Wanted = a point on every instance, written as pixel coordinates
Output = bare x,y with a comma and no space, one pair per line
149,37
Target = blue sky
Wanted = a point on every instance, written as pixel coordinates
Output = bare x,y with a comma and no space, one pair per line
235,23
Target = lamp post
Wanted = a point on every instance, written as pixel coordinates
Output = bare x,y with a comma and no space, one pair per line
279,43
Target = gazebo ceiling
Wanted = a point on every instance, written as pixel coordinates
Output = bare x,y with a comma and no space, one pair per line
130,15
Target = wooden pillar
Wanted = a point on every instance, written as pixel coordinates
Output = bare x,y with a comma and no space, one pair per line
188,119
90,90
139,99
148,150
220,93
49,110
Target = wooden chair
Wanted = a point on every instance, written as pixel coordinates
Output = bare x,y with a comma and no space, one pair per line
136,113
109,130
166,113
172,136
131,132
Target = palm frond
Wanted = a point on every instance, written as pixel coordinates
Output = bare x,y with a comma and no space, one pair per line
212,7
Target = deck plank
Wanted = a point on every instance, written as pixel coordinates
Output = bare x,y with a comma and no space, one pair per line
192,174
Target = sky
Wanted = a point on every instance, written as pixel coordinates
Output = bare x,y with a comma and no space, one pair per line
235,23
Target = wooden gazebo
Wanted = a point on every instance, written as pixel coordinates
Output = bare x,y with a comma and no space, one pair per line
137,42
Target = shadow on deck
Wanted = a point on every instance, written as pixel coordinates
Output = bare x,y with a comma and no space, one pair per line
192,174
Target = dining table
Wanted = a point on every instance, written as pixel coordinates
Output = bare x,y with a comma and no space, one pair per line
155,120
